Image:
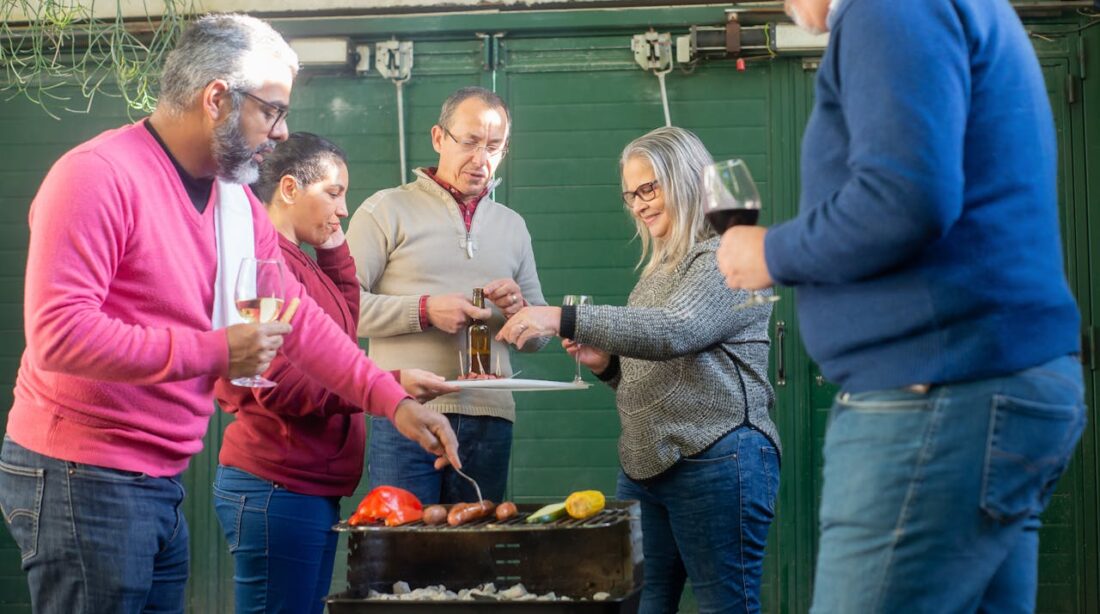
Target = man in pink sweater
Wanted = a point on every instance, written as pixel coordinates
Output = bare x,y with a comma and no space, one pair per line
114,391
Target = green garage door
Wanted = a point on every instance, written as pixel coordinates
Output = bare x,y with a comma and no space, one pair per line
577,98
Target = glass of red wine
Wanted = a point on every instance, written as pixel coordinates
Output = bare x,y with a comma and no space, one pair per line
733,200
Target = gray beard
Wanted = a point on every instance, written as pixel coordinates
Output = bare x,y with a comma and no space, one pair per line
232,154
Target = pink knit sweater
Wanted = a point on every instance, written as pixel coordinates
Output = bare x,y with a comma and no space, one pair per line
120,361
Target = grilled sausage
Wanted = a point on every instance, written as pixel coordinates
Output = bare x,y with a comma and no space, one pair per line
435,515
462,513
506,510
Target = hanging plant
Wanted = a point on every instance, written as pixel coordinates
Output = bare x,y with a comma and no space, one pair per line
50,47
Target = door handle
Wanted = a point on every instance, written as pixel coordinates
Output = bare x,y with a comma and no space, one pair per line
780,355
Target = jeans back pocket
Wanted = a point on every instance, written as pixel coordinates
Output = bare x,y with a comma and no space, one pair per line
21,503
229,508
1029,445
769,463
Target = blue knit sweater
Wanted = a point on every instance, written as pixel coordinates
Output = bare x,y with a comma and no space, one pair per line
927,246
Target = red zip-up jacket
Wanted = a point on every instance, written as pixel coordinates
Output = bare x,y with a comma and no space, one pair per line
298,434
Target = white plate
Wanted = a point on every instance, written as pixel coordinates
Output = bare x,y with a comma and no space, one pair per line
517,385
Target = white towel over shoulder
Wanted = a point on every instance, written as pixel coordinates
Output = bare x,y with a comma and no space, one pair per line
235,240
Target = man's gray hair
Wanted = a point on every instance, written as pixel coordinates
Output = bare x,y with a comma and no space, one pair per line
678,159
489,97
228,46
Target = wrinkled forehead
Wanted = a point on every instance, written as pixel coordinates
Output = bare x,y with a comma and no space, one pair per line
477,119
636,171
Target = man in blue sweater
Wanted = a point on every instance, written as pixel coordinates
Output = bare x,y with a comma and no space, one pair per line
930,286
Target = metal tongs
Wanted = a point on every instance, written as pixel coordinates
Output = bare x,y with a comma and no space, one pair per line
472,481
499,373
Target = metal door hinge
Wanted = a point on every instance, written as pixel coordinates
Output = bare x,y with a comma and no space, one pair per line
394,59
1081,56
1089,348
653,51
492,50
1071,88
780,353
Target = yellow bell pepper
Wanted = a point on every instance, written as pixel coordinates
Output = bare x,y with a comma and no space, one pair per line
584,504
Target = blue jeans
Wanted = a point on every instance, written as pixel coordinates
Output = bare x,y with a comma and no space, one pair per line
94,539
282,543
707,519
484,447
931,501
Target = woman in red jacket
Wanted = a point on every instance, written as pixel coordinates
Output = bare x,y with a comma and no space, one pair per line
296,448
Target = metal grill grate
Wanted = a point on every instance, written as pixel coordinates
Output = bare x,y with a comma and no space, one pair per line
605,518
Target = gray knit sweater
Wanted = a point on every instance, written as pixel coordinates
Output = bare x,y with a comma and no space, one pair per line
684,353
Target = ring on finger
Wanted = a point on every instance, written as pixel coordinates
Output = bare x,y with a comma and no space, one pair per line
514,299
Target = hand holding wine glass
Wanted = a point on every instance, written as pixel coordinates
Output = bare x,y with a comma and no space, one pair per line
741,258
594,358
259,296
733,200
573,300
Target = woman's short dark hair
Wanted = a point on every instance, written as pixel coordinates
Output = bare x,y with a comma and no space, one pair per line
303,155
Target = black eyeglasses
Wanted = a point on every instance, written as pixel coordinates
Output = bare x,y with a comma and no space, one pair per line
273,112
646,192
472,146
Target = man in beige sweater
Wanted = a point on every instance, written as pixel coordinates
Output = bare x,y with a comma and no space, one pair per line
420,249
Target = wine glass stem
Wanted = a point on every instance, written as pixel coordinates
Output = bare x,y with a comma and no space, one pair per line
577,378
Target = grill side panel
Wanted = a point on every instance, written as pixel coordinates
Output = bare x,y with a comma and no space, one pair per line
574,558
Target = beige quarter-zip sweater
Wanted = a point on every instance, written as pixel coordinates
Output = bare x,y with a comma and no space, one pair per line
411,240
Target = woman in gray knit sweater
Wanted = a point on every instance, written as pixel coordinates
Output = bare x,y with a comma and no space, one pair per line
697,448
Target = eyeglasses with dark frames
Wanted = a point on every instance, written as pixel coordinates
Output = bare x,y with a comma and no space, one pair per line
646,192
273,112
467,146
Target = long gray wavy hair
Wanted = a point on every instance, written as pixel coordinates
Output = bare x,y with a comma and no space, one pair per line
678,158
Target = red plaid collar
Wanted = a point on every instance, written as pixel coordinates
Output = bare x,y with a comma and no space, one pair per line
453,191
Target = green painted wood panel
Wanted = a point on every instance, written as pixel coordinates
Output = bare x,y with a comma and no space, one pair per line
1061,565
1086,226
577,99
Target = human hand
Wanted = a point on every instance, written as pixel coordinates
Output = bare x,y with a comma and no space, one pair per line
506,295
451,313
425,385
594,358
252,347
430,429
336,239
530,323
741,258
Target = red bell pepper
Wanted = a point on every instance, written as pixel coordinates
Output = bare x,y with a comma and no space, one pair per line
389,504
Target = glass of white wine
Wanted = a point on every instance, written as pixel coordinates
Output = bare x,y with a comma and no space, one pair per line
259,297
573,300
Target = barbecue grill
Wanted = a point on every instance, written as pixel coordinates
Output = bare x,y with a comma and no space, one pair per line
577,558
